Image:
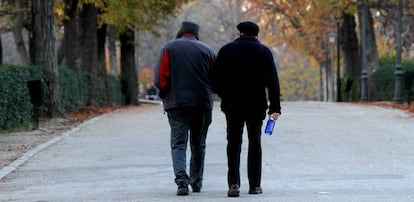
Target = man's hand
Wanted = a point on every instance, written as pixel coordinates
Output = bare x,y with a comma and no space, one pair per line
275,115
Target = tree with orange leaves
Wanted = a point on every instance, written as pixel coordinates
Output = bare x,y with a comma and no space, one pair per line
303,25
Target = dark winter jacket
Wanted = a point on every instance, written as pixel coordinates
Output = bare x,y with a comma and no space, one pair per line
243,70
182,73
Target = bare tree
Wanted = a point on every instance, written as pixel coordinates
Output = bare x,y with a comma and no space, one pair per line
388,19
217,19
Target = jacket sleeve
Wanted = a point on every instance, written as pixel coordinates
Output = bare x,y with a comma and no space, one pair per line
163,73
215,76
273,87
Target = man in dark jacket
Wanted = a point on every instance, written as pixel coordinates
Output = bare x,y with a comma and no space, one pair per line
182,77
243,70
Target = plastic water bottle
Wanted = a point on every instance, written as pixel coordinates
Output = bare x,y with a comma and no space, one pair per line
269,126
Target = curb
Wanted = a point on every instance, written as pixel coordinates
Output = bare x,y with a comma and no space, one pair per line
145,101
27,155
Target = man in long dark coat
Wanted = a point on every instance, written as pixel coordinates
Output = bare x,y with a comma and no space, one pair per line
243,71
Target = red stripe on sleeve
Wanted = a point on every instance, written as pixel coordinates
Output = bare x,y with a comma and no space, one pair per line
165,71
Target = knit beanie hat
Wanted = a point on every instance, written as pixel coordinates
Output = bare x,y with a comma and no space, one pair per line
248,28
188,27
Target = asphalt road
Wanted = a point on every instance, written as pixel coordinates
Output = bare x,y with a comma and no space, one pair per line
319,152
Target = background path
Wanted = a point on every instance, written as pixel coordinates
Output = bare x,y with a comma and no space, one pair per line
319,152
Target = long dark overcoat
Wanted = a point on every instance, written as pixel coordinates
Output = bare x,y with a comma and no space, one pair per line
243,71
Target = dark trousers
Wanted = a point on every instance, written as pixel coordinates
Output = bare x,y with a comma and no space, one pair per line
196,121
235,125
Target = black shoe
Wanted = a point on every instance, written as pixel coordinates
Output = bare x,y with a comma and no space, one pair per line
182,190
255,190
234,191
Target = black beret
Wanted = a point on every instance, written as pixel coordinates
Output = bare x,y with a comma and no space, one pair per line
248,28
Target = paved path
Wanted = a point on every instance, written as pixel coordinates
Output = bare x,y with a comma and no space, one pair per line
320,152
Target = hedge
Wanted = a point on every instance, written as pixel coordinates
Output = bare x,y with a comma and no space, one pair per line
16,108
15,105
384,79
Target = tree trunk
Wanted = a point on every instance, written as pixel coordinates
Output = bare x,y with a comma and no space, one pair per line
136,56
323,80
372,58
1,50
17,32
61,51
45,53
69,49
371,50
102,64
88,47
129,81
352,57
349,43
112,50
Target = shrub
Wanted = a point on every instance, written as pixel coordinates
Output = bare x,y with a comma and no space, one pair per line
69,90
384,78
15,106
350,87
116,97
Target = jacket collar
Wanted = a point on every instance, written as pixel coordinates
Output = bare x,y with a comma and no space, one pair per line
247,38
188,35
